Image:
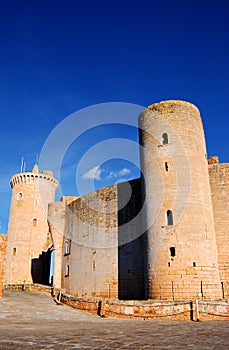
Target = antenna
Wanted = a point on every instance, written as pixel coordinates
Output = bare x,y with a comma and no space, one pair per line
24,167
22,164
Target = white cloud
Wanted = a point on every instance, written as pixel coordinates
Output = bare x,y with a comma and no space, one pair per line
124,171
93,173
115,174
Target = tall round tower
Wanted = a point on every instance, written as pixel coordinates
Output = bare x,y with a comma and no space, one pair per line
27,260
182,260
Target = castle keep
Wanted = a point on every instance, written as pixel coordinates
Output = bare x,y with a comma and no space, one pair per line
164,236
181,251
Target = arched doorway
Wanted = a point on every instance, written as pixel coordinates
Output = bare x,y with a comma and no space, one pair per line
40,268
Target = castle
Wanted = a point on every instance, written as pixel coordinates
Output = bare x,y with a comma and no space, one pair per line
164,236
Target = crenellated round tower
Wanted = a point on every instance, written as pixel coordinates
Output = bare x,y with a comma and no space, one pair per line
28,256
182,260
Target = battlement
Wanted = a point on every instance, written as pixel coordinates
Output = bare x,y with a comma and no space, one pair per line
69,199
213,160
30,177
217,168
173,105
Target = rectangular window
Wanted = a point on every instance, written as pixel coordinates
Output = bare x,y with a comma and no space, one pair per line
169,217
67,247
165,139
66,270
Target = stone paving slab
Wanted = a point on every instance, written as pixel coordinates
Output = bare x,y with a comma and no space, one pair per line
35,321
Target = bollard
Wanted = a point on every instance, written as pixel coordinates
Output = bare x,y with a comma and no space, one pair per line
191,311
197,311
103,308
23,286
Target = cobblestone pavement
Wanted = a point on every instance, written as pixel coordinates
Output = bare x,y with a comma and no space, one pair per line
32,320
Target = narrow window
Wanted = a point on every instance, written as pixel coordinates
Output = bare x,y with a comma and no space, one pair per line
93,265
14,251
172,251
168,264
166,166
34,222
194,264
165,139
20,195
169,217
222,289
67,270
67,247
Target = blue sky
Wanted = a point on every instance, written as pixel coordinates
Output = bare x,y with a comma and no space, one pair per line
60,56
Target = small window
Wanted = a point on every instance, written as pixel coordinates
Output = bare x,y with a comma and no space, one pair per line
166,166
223,295
34,222
20,196
67,247
194,264
165,139
172,251
93,265
67,270
14,251
169,217
201,287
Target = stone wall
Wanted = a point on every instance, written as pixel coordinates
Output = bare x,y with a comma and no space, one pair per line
104,253
56,222
3,244
90,256
219,180
194,310
32,288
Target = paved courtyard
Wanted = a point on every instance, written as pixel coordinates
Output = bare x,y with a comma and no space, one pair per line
35,321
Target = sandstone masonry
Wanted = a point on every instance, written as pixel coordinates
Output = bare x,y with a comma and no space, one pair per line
3,243
163,236
28,259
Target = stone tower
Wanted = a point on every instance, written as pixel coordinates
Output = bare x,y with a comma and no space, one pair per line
181,258
28,255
